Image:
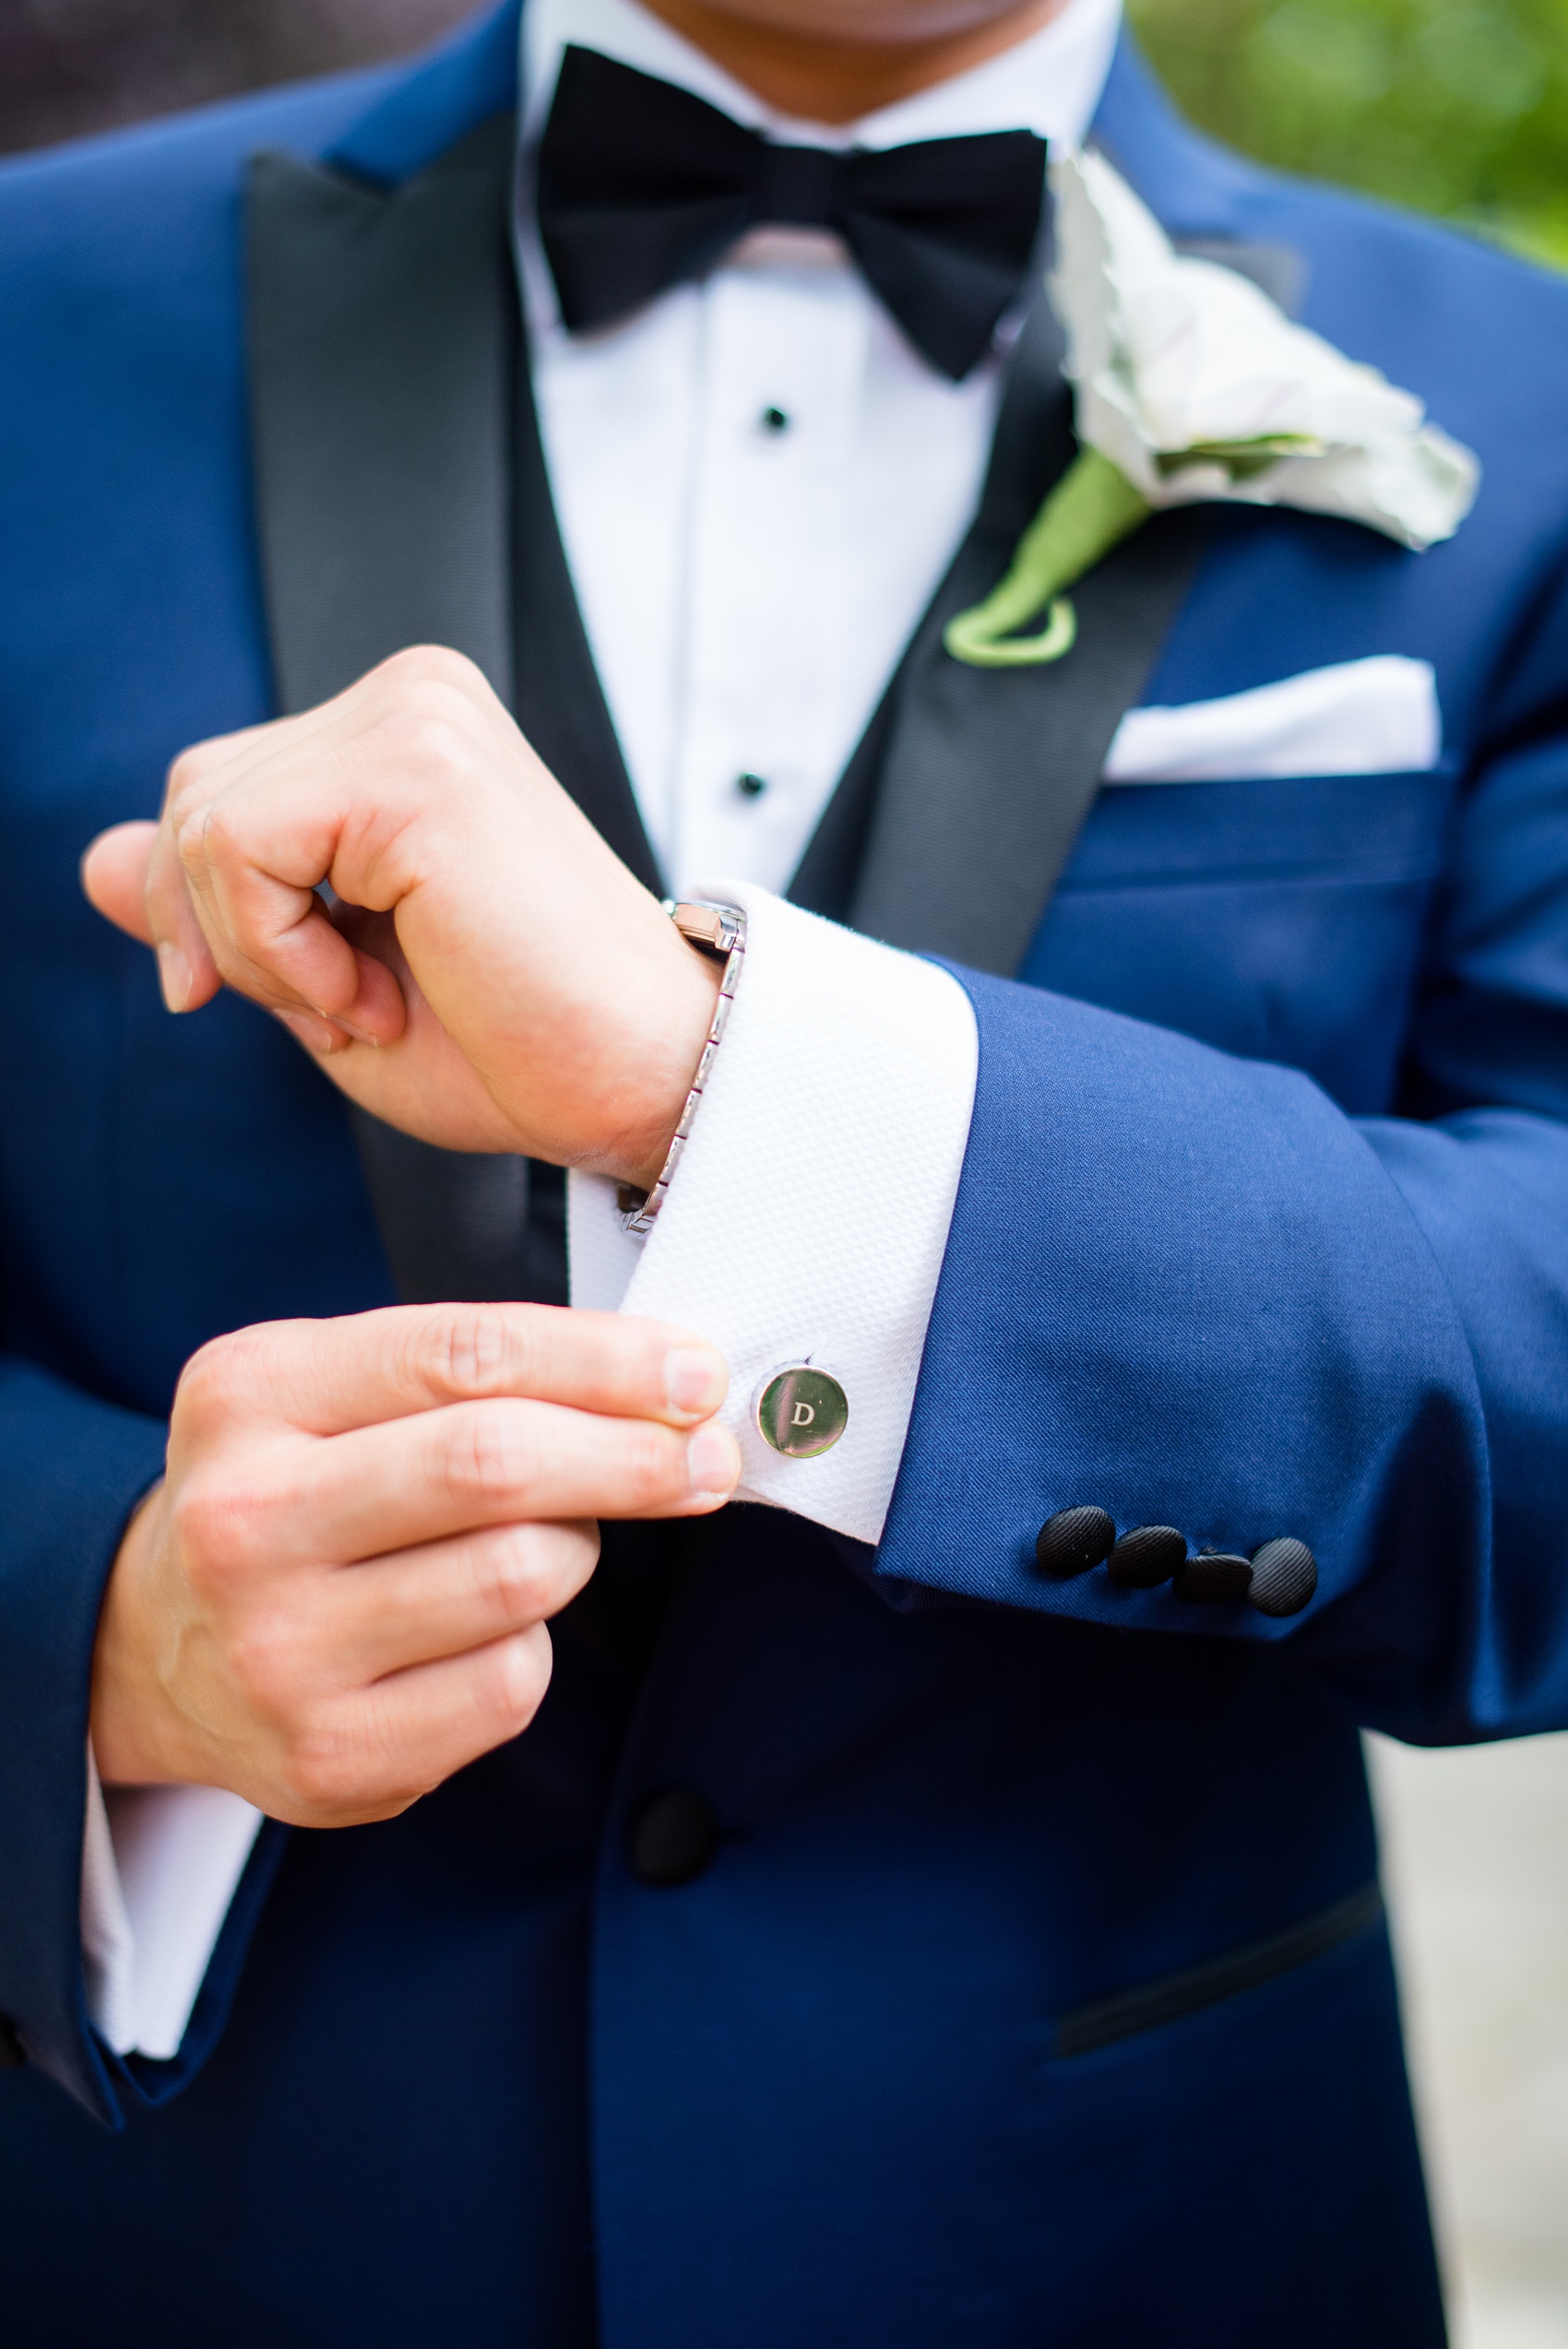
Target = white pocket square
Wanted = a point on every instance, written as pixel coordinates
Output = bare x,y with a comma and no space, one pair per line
1375,716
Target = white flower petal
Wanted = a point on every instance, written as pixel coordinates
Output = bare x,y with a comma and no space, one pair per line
1170,353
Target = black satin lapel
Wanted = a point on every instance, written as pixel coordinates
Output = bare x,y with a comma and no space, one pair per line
458,1226
1032,446
990,773
381,347
383,339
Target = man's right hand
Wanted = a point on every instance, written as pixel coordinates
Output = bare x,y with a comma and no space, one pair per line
339,1594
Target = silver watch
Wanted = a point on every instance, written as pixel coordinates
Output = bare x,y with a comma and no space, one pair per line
719,932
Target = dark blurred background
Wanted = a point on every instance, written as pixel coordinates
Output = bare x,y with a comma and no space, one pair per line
1458,107
68,66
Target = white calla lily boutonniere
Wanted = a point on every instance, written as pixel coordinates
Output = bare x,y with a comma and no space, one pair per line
1191,386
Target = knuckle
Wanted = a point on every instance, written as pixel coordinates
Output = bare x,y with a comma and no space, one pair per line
187,776
323,1766
264,1659
211,834
469,1349
516,1575
219,1373
420,667
205,1382
430,736
218,1522
485,1461
653,1463
259,1374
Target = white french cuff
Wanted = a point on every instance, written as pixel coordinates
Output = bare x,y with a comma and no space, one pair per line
810,1213
161,1866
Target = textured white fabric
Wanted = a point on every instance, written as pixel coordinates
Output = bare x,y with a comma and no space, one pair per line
159,1867
746,591
1374,717
809,1217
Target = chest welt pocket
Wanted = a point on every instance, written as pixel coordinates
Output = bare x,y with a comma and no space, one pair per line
1279,919
1170,1996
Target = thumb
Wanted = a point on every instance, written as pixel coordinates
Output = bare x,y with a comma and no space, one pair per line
113,875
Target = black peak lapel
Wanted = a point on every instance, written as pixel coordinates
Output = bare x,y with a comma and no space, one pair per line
990,773
382,334
384,369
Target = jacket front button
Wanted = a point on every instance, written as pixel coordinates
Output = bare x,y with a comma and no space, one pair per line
1073,1541
13,2055
1215,1578
671,1836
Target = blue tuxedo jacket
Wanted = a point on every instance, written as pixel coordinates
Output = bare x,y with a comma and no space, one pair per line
1034,1989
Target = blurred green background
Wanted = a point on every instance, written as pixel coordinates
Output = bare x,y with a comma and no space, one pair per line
1458,107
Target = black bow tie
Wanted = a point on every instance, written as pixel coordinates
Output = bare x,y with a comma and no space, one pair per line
643,187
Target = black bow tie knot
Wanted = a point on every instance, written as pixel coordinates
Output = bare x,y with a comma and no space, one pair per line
643,187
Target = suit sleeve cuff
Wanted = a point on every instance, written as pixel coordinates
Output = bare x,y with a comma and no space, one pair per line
161,1866
809,1215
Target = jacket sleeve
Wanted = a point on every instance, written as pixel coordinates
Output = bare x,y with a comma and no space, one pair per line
1187,1287
72,1468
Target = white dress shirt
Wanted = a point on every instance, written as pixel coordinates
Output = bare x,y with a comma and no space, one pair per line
747,586
747,589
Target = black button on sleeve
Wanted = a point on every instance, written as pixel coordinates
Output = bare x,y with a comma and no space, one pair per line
1214,1579
671,1836
13,2055
1073,1541
1146,1556
1284,1577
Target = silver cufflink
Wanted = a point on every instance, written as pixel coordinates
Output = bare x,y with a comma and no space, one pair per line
800,1411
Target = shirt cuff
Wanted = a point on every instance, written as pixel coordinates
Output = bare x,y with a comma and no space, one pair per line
159,1867
809,1215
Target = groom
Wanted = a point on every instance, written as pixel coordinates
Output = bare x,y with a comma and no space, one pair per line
934,1898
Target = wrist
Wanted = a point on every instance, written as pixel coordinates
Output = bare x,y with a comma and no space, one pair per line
126,1700
665,1052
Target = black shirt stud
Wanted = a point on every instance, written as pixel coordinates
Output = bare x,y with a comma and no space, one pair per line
1073,1541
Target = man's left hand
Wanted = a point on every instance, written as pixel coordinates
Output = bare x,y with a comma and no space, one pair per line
492,976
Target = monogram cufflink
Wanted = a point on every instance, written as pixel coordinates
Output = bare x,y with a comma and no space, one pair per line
800,1411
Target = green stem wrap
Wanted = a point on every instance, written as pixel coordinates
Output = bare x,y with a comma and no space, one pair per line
1092,509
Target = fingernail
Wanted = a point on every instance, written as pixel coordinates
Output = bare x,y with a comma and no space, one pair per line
344,1031
694,1379
175,977
313,1034
713,1460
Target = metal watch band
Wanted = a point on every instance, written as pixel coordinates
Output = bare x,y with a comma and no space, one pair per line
719,932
